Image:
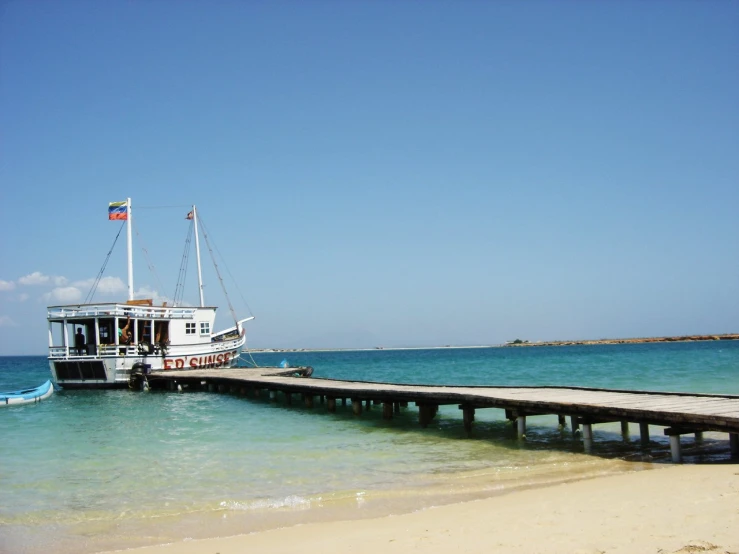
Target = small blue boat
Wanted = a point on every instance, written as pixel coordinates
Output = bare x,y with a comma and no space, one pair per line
27,396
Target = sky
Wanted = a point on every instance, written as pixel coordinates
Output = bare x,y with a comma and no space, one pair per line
377,173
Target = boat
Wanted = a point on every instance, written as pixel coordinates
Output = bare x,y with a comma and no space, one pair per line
27,396
117,344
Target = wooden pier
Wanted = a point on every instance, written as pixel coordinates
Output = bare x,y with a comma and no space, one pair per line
679,413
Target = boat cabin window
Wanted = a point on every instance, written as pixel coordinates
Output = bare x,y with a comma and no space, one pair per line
161,332
204,328
106,335
189,328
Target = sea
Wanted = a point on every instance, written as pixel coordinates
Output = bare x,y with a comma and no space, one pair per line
90,471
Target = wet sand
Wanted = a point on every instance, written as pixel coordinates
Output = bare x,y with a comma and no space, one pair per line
671,509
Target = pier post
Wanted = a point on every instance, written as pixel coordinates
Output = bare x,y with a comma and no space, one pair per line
468,416
675,449
308,398
699,436
331,404
644,433
426,413
575,424
561,421
403,404
674,435
587,435
357,406
211,387
396,407
368,405
625,431
288,398
423,415
343,401
321,399
734,445
521,426
387,410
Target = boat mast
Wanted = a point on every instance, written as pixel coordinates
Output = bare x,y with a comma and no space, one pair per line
197,253
130,249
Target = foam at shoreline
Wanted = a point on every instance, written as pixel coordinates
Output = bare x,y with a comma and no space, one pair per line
676,509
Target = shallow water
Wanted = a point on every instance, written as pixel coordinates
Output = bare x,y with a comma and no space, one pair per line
91,470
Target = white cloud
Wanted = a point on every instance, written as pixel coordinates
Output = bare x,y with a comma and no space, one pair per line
35,278
146,292
38,278
107,285
65,295
111,285
6,321
6,285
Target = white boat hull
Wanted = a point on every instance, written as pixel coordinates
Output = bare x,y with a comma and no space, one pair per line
116,370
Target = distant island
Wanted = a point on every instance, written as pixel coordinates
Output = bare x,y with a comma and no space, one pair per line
684,338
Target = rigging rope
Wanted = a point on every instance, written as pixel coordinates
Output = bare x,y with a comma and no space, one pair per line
236,284
179,290
218,272
146,256
96,282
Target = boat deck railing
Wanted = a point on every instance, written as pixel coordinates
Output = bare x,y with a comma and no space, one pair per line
132,350
120,310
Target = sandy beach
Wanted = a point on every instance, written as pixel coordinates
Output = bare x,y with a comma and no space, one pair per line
671,509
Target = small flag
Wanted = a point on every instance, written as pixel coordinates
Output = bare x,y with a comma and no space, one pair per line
118,210
190,215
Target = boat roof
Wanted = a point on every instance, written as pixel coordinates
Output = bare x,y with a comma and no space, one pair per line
118,309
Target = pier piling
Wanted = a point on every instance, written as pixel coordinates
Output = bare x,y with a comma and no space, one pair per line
521,426
625,431
587,436
356,406
575,424
644,433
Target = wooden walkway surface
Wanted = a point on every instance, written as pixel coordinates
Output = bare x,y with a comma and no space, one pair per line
681,413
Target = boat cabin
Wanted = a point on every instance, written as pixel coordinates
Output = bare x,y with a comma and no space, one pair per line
116,329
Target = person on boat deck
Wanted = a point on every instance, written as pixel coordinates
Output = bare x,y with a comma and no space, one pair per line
79,342
124,335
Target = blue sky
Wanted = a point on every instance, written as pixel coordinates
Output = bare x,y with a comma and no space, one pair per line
378,173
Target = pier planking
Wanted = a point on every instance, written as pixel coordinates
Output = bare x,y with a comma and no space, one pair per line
680,413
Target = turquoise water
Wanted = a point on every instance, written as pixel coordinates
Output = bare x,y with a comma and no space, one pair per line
90,470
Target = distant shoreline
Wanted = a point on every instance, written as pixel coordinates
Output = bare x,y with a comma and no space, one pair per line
683,338
639,340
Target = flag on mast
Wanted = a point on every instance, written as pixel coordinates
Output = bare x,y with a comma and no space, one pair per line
190,215
118,210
